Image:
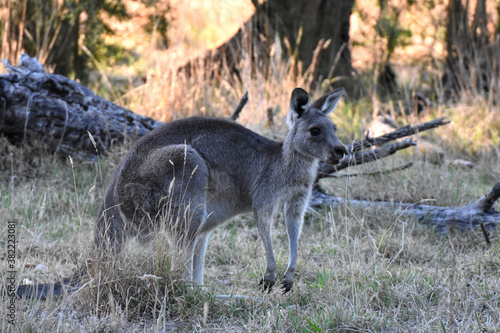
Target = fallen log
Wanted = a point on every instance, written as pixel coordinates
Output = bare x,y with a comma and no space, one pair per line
477,214
57,114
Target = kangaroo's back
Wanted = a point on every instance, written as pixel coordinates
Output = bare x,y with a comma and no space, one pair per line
223,144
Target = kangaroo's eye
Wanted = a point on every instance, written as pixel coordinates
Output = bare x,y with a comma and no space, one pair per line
315,131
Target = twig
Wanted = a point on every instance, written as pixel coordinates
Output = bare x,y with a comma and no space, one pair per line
270,117
376,173
485,233
239,107
336,60
312,68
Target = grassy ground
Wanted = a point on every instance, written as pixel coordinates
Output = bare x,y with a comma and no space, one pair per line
359,270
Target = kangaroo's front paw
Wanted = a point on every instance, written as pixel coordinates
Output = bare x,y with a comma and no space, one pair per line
267,284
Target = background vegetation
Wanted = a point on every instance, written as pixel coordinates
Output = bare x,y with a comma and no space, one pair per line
359,270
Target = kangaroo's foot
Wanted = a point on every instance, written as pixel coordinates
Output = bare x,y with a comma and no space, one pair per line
286,285
288,281
267,283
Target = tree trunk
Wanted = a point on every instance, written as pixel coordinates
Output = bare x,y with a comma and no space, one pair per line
471,61
318,21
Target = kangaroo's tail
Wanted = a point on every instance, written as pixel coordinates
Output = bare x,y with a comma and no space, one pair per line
44,291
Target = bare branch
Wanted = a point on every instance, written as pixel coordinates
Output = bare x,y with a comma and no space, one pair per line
399,133
486,203
486,234
325,170
358,157
239,107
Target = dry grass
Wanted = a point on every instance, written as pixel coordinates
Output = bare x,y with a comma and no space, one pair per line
359,270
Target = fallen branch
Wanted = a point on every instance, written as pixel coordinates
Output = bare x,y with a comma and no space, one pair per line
360,157
486,234
375,173
397,134
463,218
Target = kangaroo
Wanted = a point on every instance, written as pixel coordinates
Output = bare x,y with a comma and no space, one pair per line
200,172
221,169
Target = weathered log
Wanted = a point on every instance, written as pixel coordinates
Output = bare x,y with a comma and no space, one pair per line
57,114
469,217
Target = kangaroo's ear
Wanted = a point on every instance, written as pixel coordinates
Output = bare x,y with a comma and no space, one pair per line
328,102
299,102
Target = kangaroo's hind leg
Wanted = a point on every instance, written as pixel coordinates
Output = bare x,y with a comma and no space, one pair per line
183,205
200,250
167,192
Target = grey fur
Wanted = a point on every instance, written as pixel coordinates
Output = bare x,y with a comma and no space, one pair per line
200,172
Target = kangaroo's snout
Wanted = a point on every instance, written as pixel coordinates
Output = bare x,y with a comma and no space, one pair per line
338,153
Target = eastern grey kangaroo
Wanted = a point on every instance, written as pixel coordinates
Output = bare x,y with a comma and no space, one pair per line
217,169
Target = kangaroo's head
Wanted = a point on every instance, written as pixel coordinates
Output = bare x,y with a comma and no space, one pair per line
311,132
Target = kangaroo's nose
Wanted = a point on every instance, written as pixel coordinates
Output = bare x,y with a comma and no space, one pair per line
340,151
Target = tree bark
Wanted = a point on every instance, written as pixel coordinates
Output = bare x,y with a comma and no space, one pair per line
471,61
60,115
318,21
